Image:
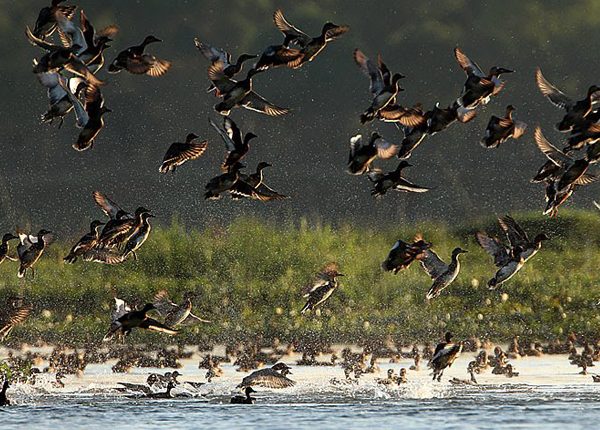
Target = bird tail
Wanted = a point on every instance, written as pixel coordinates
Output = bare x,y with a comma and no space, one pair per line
432,293
22,271
82,145
306,307
70,259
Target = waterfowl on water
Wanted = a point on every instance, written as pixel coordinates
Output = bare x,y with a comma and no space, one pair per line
124,320
45,24
253,186
244,400
4,247
322,287
470,381
236,143
239,93
138,234
30,249
479,86
212,54
135,61
444,355
576,112
3,399
180,152
96,42
383,85
12,313
173,313
383,182
223,183
272,377
499,130
442,274
403,254
310,47
363,153
162,395
88,242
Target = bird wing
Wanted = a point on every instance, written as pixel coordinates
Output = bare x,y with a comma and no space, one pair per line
109,207
15,315
233,131
356,142
432,264
549,150
36,41
335,32
163,304
197,318
211,53
291,33
265,193
103,255
515,234
185,151
120,308
492,246
51,81
586,179
470,67
556,97
153,325
229,143
81,115
216,74
385,149
370,69
256,103
519,129
267,378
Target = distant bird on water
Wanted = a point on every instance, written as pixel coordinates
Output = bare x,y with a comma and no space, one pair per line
30,249
322,287
441,273
180,152
272,377
403,254
244,400
137,62
124,320
499,130
3,399
444,355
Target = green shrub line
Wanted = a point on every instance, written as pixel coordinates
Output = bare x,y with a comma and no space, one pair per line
250,273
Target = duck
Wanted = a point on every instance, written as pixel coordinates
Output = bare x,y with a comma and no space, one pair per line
97,42
244,400
499,130
181,152
138,235
587,136
253,186
519,239
439,119
135,61
239,93
167,394
237,144
213,55
12,314
576,112
596,378
442,274
310,47
4,247
444,356
409,117
413,137
45,24
274,56
111,209
88,242
94,110
173,313
212,366
479,87
59,97
118,230
403,254
223,183
363,153
470,381
4,401
71,34
272,377
124,320
383,85
322,287
391,378
383,182
30,249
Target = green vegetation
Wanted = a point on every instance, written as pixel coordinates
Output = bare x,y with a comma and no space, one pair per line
249,276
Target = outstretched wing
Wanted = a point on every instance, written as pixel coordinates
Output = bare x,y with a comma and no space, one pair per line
256,103
229,143
515,234
152,324
492,246
432,264
470,67
163,304
291,33
549,150
109,207
556,96
370,69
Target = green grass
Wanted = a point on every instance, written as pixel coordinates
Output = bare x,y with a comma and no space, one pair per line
250,274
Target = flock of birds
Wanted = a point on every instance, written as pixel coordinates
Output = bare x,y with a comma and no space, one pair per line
69,70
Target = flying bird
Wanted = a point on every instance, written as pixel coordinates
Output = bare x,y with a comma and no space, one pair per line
173,313
30,249
124,320
363,153
180,152
137,62
499,130
87,243
253,186
441,273
383,182
12,313
403,254
272,377
322,287
444,355
236,143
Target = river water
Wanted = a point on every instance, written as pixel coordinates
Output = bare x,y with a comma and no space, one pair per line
548,393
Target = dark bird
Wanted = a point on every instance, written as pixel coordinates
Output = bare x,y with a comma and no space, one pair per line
383,85
576,112
383,182
274,56
173,313
310,47
112,210
507,259
3,399
97,42
403,254
213,55
585,136
4,247
58,96
272,377
362,154
180,152
479,87
322,287
45,24
499,130
124,320
117,231
138,234
441,273
253,186
223,183
95,110
444,355
30,249
135,61
244,400
88,242
236,143
239,93
12,314
518,238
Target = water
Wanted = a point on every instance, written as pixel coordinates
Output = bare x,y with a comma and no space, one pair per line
548,393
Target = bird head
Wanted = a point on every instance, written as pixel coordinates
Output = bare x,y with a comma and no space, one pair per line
8,236
151,39
191,137
540,238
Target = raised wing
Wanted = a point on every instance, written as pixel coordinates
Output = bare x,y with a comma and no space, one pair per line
433,265
229,143
492,246
370,69
120,308
211,53
556,97
109,207
515,234
256,103
163,303
549,150
216,74
291,33
470,67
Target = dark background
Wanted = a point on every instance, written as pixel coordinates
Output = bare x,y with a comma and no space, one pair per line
44,182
